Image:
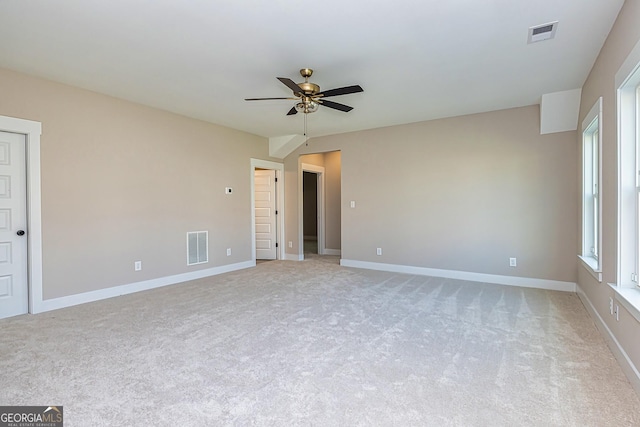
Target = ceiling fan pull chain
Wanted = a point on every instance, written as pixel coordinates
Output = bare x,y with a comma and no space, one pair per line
306,138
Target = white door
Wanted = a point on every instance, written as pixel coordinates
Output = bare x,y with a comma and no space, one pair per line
265,198
14,297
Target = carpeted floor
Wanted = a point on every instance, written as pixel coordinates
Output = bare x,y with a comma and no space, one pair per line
315,344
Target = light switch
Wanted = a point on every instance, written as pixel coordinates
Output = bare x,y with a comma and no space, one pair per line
353,203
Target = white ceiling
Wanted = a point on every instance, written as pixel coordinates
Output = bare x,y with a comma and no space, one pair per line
415,59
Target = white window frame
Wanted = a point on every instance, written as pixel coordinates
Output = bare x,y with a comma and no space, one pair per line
628,97
591,248
627,82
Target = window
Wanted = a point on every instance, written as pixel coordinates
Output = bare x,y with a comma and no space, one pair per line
628,84
591,207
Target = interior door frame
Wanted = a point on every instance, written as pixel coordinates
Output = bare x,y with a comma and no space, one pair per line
32,131
279,168
319,171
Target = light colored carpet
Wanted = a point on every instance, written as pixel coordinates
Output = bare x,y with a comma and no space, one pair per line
313,343
310,247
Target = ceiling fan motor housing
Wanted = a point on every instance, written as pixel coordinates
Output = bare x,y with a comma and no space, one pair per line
309,88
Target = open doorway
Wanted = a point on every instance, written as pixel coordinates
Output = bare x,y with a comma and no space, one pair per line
320,203
313,219
310,203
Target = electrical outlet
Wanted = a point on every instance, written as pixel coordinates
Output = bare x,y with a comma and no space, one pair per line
290,244
513,262
228,251
353,204
379,251
611,305
617,312
137,266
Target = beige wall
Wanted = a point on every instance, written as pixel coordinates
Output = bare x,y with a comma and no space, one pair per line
462,194
601,82
122,182
333,204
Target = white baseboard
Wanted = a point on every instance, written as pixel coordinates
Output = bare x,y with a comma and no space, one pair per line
296,257
85,297
525,282
621,356
337,252
293,257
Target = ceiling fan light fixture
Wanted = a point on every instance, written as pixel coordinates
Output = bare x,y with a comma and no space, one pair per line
307,106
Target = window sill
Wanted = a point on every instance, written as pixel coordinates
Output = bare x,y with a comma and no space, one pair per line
591,264
629,298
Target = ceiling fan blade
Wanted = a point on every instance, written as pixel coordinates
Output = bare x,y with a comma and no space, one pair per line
341,91
292,111
291,85
264,99
335,105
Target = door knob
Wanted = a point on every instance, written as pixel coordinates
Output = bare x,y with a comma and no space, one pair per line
20,233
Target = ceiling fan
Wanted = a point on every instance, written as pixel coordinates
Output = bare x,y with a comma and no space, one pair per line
309,96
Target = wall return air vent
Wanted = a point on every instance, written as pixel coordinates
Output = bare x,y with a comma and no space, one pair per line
542,32
197,247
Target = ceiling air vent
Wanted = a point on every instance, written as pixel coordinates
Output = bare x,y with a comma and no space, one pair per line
542,32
